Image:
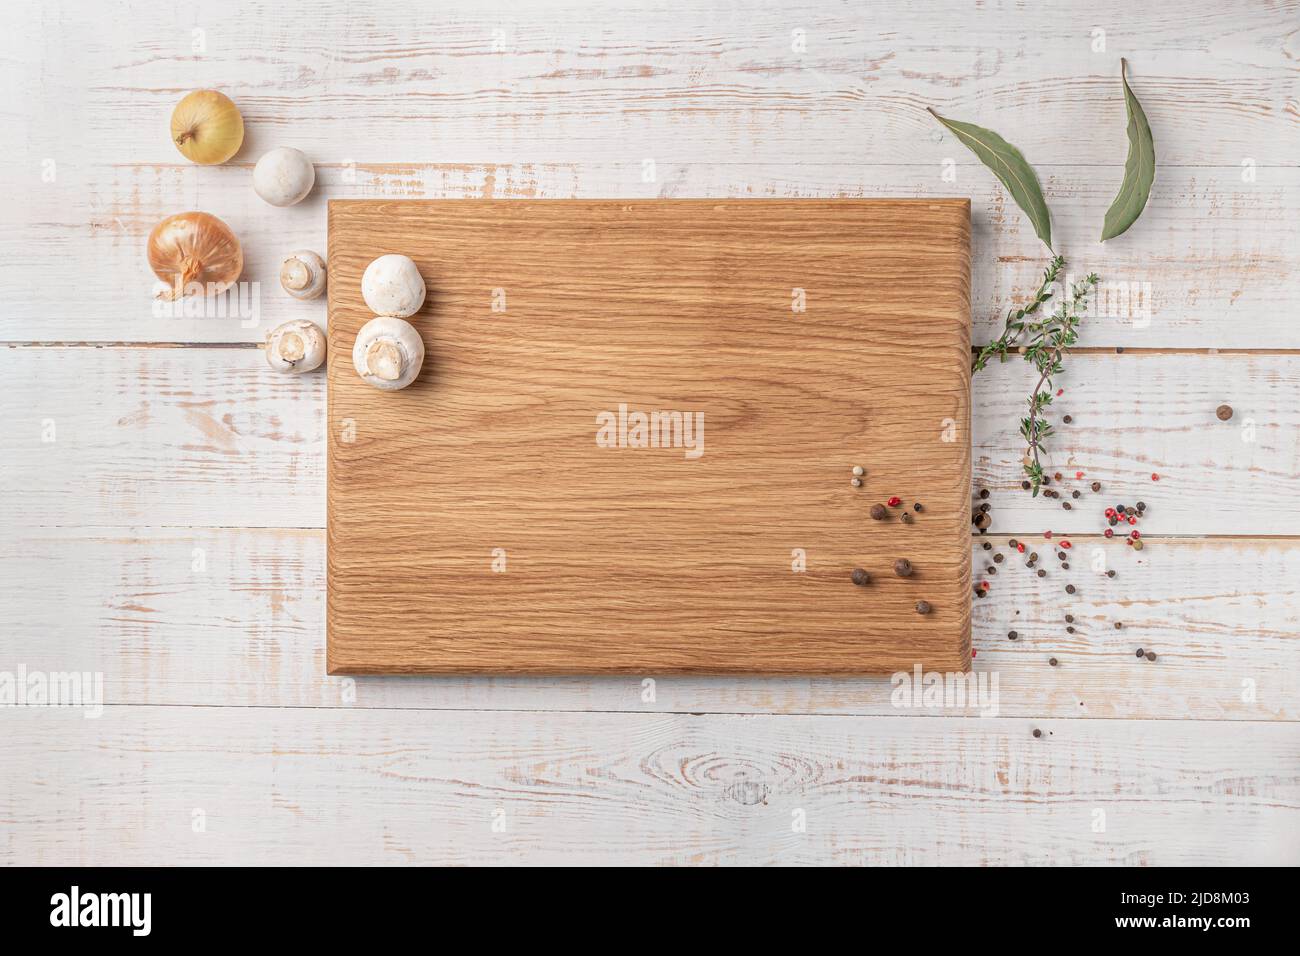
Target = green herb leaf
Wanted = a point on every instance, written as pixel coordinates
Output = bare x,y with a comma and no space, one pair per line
1010,166
1139,168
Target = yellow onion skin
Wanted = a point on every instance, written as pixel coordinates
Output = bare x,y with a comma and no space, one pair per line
207,127
194,247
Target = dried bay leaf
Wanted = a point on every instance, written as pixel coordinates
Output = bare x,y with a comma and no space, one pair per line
1139,168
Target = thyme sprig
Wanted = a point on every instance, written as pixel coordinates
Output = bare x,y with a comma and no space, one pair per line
1043,342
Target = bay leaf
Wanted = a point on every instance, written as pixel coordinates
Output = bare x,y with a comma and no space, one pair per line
1139,167
1010,166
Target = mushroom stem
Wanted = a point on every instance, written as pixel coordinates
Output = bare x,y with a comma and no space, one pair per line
384,359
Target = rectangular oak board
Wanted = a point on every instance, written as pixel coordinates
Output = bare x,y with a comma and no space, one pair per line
630,446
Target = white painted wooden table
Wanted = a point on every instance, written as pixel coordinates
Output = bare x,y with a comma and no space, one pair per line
164,496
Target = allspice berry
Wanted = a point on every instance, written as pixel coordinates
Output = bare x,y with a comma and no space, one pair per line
903,568
922,607
1151,655
878,512
1224,412
860,577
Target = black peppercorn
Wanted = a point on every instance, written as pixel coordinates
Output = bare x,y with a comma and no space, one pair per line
998,557
1096,486
1042,573
922,607
1037,732
1141,653
1142,506
860,577
984,492
878,512
1025,485
1075,494
984,508
918,507
1012,543
1012,635
1069,619
1061,555
1118,625
1110,573
1151,655
1069,589
903,568
1069,630
906,517
1067,506
1067,419
1113,521
1065,565
987,546
1052,661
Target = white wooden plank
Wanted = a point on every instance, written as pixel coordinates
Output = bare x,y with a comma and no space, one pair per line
1206,266
236,617
467,81
239,785
211,437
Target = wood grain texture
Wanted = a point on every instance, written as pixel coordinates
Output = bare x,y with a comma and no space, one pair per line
1208,266
676,558
365,787
236,618
212,438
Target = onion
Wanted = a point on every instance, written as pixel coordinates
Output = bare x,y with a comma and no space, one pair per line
207,127
194,248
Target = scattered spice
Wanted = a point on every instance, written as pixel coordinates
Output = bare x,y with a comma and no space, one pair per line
998,557
1151,655
1012,635
858,471
894,502
1155,476
906,517
1096,486
923,607
1067,419
1224,412
1141,653
1037,732
1042,573
1052,661
1069,589
984,492
918,507
903,568
856,482
878,512
1110,573
1118,625
1069,619
860,577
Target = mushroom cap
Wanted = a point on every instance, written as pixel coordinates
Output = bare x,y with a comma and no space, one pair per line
388,353
302,274
295,347
392,286
283,176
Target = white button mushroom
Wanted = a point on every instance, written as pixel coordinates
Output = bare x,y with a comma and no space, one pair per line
283,176
392,285
302,274
295,347
388,353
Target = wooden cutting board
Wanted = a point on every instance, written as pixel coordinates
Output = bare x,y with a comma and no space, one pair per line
513,512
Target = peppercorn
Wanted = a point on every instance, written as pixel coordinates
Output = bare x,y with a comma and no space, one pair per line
1060,555
922,607
1142,506
1069,589
1141,653
992,569
918,507
987,546
1224,412
1052,661
860,577
998,557
1012,635
1069,619
1012,543
894,502
1076,494
984,508
1033,555
1118,625
1065,565
906,517
856,482
1067,419
984,492
1069,630
903,568
1096,486
1057,476
1137,545
1110,573
1037,732
980,592
878,512
1042,573
1112,521
1025,485
1109,533
1151,655
858,471
1067,506
982,521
